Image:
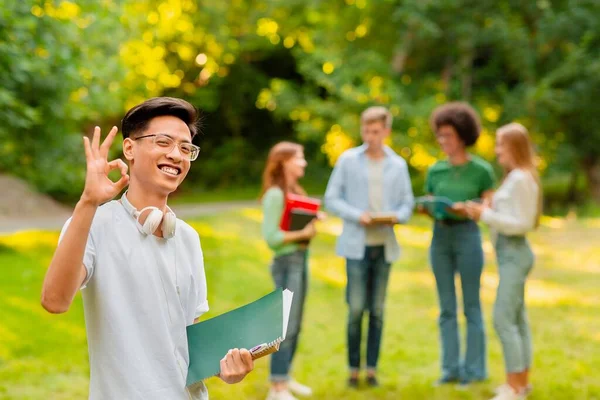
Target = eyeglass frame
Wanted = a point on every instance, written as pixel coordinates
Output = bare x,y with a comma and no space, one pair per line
155,135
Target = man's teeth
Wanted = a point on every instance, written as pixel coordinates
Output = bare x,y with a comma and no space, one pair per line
170,170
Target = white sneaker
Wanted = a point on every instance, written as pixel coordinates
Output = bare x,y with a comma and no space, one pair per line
299,389
504,387
508,393
280,395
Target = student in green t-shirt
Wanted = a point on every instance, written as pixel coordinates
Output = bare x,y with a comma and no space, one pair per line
285,165
456,244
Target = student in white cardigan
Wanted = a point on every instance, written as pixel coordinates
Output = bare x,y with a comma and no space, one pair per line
515,210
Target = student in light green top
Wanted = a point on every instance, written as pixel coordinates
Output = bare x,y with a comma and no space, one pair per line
456,243
285,165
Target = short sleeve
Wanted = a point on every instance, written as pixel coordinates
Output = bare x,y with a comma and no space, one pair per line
201,290
89,257
488,179
428,183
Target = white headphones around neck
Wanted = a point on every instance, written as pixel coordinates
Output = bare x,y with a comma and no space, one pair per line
154,219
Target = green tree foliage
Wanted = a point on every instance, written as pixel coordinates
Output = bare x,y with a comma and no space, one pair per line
563,98
267,70
55,78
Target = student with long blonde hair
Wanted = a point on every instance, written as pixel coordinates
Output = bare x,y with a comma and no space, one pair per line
515,211
285,166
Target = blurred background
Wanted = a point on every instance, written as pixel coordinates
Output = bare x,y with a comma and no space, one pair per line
263,71
267,70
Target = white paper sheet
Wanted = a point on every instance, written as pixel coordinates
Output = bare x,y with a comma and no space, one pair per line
287,306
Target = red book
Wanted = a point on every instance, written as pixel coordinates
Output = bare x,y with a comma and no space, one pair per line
297,202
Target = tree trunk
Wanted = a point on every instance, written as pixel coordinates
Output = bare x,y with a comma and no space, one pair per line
591,167
466,66
403,52
572,194
447,74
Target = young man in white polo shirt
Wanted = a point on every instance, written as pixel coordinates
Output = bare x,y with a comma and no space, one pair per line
141,272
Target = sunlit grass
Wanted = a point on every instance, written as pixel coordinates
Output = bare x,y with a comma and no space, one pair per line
45,357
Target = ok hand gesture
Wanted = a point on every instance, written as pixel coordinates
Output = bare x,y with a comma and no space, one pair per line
98,187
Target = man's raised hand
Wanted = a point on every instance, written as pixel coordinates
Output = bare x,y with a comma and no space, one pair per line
98,186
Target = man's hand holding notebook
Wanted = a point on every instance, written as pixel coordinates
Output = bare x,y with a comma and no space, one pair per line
259,326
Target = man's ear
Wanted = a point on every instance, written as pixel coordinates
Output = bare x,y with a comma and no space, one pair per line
128,149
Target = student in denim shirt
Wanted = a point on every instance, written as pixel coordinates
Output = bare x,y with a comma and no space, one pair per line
456,243
367,179
285,165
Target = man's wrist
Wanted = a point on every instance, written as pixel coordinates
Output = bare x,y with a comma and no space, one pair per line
86,202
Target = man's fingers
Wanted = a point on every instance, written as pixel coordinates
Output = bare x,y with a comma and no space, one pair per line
235,358
118,163
224,370
108,142
87,148
96,142
246,358
121,183
236,365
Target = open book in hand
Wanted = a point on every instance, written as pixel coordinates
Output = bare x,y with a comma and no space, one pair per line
437,206
260,326
383,217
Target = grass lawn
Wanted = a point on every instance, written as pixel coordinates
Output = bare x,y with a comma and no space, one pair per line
314,186
44,356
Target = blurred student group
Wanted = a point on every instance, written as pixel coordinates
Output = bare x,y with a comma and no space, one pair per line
370,190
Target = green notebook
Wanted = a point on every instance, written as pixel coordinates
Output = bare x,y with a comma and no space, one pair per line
436,205
259,327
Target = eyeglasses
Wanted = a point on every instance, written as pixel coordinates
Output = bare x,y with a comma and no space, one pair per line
167,143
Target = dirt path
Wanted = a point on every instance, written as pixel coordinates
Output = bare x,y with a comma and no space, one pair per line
22,208
56,219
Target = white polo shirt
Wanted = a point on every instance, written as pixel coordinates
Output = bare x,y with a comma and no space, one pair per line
139,295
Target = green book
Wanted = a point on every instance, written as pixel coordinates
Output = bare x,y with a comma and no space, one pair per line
436,205
259,327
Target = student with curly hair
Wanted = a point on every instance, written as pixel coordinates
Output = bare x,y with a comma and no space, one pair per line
456,244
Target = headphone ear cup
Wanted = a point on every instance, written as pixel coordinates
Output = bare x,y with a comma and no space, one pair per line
152,221
168,225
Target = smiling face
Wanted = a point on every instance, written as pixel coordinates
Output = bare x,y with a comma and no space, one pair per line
154,165
449,141
294,167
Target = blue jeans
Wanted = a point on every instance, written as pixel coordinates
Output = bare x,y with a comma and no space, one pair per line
289,271
456,248
366,290
515,261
